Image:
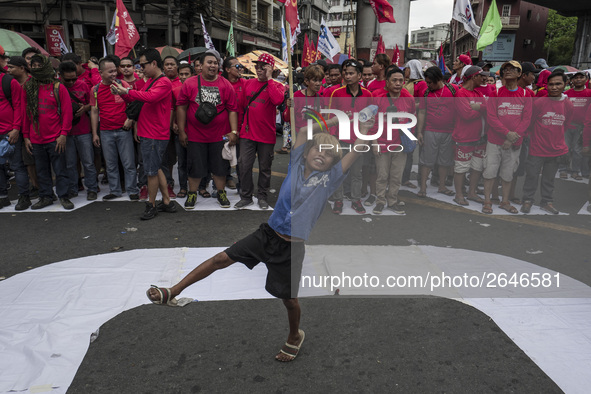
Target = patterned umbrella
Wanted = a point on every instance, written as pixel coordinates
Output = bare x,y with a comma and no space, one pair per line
568,69
14,43
168,51
248,61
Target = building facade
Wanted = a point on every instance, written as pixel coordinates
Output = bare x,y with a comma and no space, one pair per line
341,22
522,37
429,37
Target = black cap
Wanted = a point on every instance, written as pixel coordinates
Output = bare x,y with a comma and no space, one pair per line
19,61
528,67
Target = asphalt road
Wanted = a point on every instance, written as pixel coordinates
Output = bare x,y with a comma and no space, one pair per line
352,344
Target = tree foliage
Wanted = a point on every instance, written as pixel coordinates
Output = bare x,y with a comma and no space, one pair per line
560,39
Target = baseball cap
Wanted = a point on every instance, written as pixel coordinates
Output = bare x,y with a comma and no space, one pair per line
267,59
465,59
214,53
484,64
541,62
472,71
514,63
578,72
528,67
18,61
2,52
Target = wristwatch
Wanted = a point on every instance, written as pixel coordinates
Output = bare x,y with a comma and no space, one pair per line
234,132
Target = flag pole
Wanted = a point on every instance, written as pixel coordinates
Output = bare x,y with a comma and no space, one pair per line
290,79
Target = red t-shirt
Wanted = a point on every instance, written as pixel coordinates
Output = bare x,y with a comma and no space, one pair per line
419,87
239,89
51,124
441,111
486,90
376,85
11,116
404,103
259,118
508,111
154,120
111,107
550,118
543,92
301,100
220,93
81,91
580,102
468,127
361,101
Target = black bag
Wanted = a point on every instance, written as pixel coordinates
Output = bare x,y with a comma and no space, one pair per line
206,112
76,105
135,107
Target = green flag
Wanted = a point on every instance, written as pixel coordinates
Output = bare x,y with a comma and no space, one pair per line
491,27
230,44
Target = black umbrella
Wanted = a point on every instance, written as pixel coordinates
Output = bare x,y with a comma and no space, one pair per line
192,53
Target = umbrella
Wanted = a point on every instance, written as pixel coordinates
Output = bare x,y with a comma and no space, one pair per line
568,69
169,51
248,61
191,53
14,43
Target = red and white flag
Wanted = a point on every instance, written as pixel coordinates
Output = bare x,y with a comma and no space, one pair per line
126,33
291,15
381,47
396,57
383,11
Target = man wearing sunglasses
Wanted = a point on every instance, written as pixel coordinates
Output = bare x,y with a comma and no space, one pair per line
127,69
257,135
79,141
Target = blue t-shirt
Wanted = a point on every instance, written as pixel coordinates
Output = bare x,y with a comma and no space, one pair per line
301,201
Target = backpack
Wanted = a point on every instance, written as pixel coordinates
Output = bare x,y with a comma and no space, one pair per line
449,86
6,88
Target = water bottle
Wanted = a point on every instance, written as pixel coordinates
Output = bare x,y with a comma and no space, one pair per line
226,139
368,113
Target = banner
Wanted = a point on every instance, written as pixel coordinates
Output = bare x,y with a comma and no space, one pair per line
283,43
306,52
463,13
230,45
112,34
206,37
291,15
327,44
54,36
441,60
383,11
491,27
127,34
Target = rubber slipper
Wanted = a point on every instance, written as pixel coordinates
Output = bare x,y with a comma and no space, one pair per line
487,208
292,350
447,192
475,199
422,194
182,193
166,297
508,207
410,184
204,193
462,203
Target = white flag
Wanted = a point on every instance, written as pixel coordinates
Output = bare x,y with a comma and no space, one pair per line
283,43
112,34
206,37
327,44
63,47
463,13
104,48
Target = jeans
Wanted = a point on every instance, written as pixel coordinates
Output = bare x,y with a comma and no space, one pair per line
20,171
80,146
572,137
181,153
47,158
119,144
533,165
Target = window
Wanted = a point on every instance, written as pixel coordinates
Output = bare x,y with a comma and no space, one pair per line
506,10
529,15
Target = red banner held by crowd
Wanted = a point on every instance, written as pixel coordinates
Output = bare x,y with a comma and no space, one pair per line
383,11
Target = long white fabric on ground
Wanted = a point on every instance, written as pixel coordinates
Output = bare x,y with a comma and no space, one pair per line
49,313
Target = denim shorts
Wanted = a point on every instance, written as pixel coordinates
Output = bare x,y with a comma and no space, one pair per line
152,154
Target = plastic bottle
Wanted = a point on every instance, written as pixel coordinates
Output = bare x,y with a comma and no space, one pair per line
368,113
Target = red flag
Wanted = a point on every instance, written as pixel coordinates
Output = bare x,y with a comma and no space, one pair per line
306,55
314,53
396,57
349,54
291,15
127,34
468,54
381,47
383,10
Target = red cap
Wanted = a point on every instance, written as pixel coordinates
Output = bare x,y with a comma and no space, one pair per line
266,58
465,59
2,52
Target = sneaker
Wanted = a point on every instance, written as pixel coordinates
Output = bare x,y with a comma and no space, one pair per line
337,207
263,204
110,197
91,196
550,208
72,195
526,206
66,203
144,193
162,207
243,203
348,196
23,203
34,193
4,202
134,197
191,200
42,203
358,207
150,212
370,200
230,184
171,192
397,208
378,208
223,199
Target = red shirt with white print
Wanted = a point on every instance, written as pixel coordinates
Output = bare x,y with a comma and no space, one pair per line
550,118
580,102
51,124
508,111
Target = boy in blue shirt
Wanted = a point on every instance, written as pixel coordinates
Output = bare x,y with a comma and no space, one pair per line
315,172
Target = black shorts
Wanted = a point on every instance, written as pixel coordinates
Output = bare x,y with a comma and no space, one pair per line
282,258
206,157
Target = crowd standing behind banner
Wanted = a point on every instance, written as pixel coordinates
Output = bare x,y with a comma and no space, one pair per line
133,120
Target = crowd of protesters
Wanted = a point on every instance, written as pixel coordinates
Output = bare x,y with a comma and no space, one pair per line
132,120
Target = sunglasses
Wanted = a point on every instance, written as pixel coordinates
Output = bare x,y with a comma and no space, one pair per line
238,66
143,65
126,65
70,79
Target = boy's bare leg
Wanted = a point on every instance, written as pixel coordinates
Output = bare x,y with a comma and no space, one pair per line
203,270
293,315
